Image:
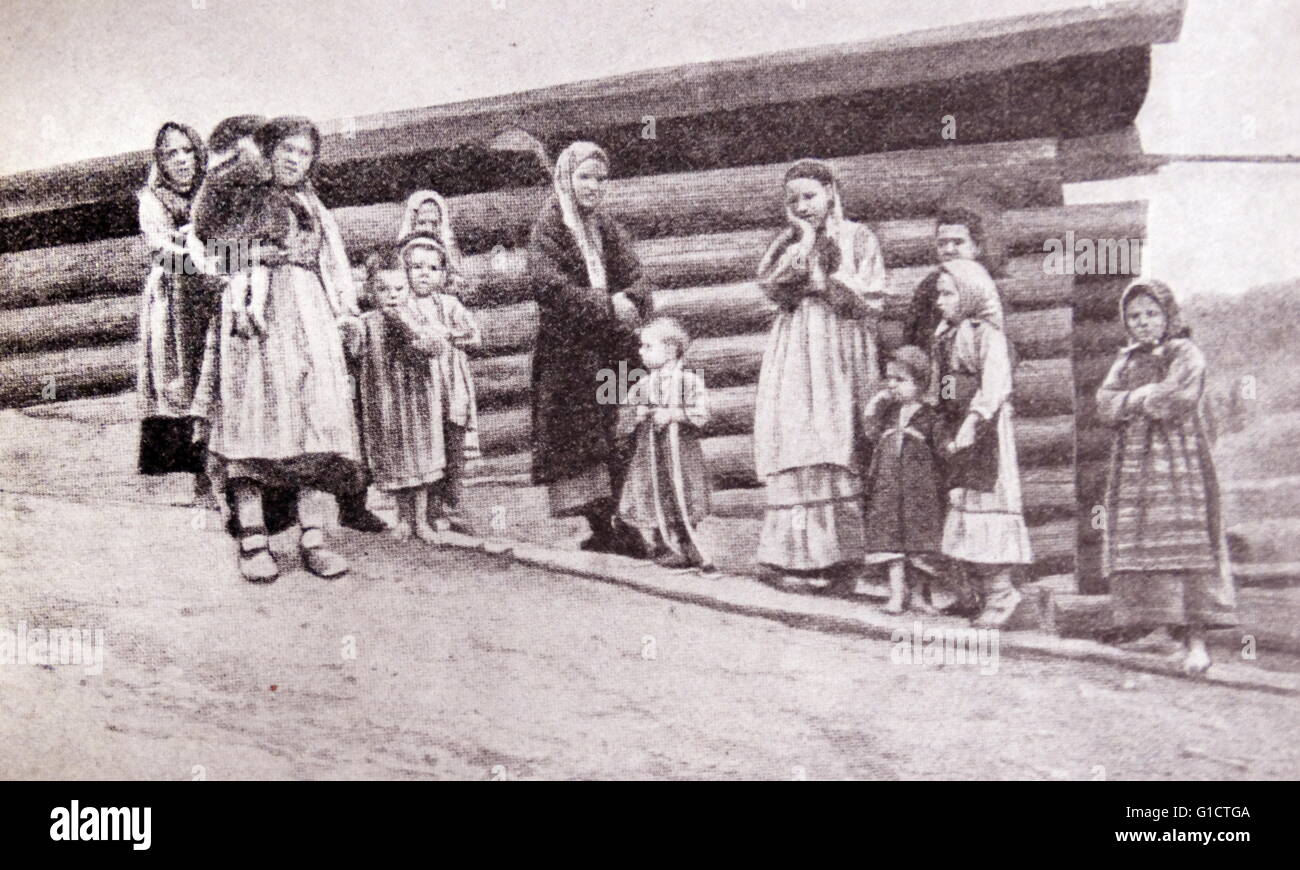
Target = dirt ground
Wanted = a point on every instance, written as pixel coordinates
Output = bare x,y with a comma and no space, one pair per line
433,663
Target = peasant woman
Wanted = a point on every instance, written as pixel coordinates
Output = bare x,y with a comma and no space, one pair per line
819,371
166,442
1164,547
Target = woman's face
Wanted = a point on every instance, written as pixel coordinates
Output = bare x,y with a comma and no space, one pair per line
428,218
808,200
291,160
180,162
949,301
1145,319
589,183
426,270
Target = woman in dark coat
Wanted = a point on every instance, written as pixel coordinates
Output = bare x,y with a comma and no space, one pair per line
587,282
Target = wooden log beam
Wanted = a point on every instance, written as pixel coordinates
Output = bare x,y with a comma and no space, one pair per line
1048,493
37,378
1043,385
874,187
960,53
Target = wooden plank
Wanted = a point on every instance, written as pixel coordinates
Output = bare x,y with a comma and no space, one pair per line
676,204
958,52
1048,492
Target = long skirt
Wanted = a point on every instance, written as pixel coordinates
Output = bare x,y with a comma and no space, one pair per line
813,519
1164,551
989,527
284,416
166,430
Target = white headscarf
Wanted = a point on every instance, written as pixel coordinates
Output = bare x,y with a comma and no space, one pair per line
451,251
977,292
583,228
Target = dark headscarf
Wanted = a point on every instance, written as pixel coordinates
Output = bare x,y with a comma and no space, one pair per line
1158,292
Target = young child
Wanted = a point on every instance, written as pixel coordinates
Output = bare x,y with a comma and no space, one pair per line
1165,551
401,395
426,263
904,482
666,490
984,530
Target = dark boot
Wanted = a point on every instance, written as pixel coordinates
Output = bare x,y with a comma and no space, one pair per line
354,515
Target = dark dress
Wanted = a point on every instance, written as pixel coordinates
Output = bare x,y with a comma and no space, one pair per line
906,497
578,337
975,467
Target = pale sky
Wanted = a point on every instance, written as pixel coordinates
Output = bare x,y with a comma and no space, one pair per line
87,78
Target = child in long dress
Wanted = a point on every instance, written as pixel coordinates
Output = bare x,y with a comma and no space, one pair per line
401,397
666,491
904,482
985,528
427,271
1165,551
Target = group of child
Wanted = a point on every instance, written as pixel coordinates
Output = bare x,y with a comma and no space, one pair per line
419,418
940,486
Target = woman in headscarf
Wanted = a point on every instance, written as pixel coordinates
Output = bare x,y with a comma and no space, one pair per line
985,528
283,415
1164,550
827,276
166,429
587,282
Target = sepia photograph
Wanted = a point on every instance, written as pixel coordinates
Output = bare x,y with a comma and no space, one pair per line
510,390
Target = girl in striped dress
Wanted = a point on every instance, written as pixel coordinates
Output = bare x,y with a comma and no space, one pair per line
1165,553
398,349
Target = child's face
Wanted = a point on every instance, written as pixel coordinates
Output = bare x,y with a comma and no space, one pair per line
655,352
428,218
901,383
589,183
180,163
953,242
390,288
1145,319
949,301
808,199
426,270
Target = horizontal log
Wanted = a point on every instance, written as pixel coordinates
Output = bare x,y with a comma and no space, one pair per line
675,204
1098,338
974,49
1097,296
37,378
1047,441
1047,492
711,309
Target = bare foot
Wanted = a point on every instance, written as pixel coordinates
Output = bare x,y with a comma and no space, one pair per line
426,533
402,530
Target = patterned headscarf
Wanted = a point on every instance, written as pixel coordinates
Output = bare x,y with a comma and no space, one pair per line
1158,292
445,233
976,290
583,227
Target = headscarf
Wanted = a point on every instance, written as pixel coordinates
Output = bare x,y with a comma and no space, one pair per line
1163,296
177,202
583,227
446,235
976,291
820,171
420,240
